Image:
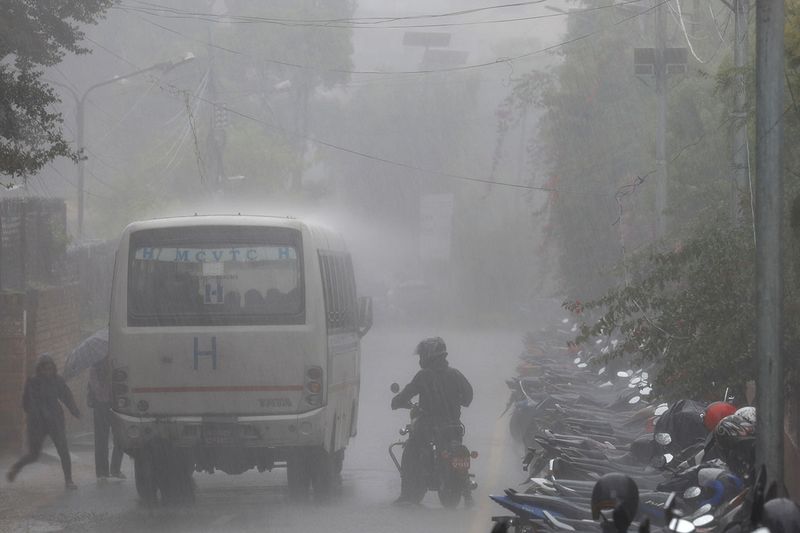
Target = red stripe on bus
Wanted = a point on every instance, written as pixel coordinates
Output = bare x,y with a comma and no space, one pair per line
243,388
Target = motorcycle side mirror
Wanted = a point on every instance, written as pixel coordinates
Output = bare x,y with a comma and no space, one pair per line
704,520
679,525
582,365
395,388
636,380
601,371
663,438
622,374
661,409
703,510
668,457
634,400
691,493
576,360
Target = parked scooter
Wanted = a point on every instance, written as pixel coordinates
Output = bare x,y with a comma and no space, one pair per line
444,462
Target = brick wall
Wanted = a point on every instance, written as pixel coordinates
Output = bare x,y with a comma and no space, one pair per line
41,320
13,352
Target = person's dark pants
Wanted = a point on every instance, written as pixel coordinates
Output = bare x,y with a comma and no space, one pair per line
417,460
102,429
36,438
412,466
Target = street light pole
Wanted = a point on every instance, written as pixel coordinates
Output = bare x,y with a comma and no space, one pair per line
769,221
80,120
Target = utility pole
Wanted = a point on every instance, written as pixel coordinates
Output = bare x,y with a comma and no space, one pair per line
769,218
740,182
661,119
80,120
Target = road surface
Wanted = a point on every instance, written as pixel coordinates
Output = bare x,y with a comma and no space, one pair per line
37,502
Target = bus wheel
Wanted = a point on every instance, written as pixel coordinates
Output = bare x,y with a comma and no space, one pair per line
177,485
144,473
298,473
324,475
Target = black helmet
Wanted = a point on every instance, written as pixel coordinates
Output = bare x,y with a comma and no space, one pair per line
735,436
431,348
780,515
618,492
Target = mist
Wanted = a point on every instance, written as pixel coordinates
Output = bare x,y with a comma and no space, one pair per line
541,184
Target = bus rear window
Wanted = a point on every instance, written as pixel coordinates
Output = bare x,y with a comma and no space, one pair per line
215,276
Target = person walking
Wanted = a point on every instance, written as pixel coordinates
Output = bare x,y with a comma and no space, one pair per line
41,400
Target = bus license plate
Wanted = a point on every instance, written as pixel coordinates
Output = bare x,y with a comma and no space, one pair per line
219,435
460,463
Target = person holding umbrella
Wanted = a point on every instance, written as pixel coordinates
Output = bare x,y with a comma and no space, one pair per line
93,354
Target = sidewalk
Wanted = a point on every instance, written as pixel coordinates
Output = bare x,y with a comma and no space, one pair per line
37,500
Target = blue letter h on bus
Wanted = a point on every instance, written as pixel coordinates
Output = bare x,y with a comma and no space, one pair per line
206,353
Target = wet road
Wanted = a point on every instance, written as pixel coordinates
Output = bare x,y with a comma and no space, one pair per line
257,502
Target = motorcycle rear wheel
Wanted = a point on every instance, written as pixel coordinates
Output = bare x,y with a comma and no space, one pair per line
450,496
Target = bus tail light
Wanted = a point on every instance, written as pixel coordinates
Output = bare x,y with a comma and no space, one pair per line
313,386
119,388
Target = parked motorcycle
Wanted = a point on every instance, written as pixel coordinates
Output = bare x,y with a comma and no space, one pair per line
444,461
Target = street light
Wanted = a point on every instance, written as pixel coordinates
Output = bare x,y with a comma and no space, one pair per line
80,103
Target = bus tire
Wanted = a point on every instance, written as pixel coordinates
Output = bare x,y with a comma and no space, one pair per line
298,473
177,485
324,474
144,475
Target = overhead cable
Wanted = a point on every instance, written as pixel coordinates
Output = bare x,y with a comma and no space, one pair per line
495,62
382,25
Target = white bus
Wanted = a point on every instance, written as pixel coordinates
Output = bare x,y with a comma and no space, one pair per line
235,344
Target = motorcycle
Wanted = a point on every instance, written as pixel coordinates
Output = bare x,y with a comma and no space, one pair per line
444,462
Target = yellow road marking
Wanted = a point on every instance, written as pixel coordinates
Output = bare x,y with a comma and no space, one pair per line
481,522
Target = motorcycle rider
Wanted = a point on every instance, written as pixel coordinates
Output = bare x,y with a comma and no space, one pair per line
442,391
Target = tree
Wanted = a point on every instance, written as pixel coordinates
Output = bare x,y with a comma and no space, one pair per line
36,35
691,309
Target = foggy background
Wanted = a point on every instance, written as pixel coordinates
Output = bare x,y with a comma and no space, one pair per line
239,129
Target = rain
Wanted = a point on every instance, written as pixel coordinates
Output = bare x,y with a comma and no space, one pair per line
416,265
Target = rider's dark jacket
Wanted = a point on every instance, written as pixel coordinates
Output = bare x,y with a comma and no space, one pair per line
442,391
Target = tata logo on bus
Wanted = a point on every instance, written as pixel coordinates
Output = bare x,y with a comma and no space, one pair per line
216,255
274,402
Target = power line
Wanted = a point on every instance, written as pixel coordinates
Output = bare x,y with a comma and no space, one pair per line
100,196
375,25
113,53
323,22
494,62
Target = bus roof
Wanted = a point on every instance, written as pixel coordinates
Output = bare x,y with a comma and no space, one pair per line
323,236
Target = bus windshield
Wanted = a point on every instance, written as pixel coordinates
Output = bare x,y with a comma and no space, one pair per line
215,276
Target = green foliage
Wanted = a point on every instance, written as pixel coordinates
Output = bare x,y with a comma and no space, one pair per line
36,35
691,310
